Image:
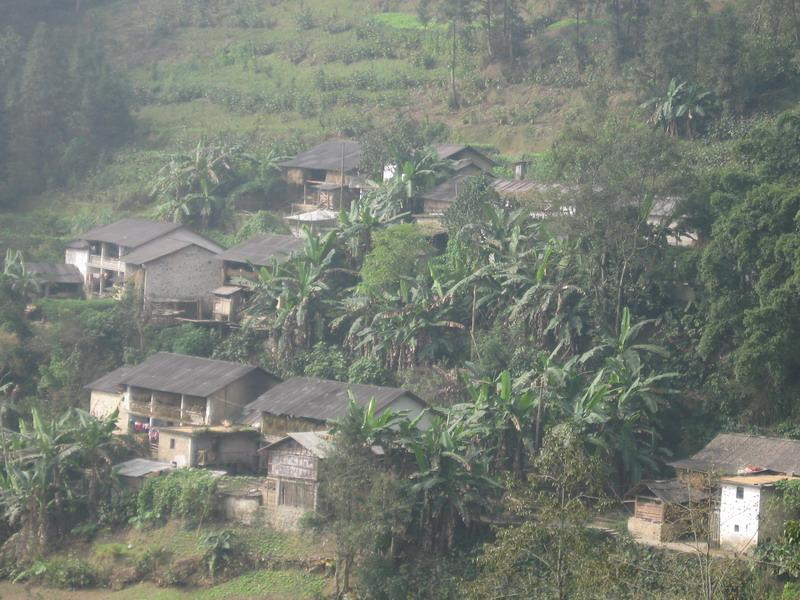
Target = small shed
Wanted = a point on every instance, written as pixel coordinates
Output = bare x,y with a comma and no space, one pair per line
57,280
291,487
662,509
228,303
318,221
132,473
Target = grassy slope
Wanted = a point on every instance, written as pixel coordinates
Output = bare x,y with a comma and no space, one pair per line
121,550
215,69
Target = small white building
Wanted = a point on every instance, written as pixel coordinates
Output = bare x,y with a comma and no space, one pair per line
745,516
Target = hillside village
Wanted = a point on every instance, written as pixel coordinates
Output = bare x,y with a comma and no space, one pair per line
399,299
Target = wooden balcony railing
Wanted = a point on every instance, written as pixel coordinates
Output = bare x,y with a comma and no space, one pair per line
193,417
167,411
112,264
139,407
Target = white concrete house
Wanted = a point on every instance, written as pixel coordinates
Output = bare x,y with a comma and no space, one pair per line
744,512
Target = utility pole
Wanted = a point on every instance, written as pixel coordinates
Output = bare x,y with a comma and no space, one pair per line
341,181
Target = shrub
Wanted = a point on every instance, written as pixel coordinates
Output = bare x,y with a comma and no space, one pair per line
188,339
368,369
326,362
70,573
185,493
149,562
262,221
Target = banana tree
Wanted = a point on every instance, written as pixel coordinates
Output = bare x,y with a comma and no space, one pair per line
451,482
512,417
17,276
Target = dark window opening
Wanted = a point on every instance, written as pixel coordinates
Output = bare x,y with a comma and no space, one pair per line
736,528
739,493
171,443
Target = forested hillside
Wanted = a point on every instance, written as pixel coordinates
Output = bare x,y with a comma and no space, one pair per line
567,354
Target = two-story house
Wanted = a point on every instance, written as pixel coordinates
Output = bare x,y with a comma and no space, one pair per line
175,390
239,270
169,264
325,176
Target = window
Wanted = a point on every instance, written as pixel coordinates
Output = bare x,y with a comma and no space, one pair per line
736,528
739,493
172,443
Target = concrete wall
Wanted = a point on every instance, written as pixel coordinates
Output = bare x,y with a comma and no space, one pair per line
228,449
183,455
739,513
242,509
228,402
102,404
189,274
283,518
79,258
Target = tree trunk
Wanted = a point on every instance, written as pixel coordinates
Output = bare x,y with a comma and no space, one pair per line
454,97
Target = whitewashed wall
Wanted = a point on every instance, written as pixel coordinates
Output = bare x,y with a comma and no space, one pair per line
743,513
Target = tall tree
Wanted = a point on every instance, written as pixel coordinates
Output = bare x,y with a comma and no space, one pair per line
458,13
39,129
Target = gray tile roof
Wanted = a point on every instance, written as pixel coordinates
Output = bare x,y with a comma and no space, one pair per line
672,491
154,250
261,249
321,399
129,233
728,453
55,272
183,374
139,467
327,156
168,244
110,383
449,151
447,191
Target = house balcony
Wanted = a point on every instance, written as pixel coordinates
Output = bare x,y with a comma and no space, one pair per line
109,264
167,412
139,407
193,417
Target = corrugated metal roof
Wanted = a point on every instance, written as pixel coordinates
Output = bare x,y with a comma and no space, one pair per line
55,272
728,453
139,467
130,233
226,290
261,249
327,156
110,383
321,399
321,214
182,374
